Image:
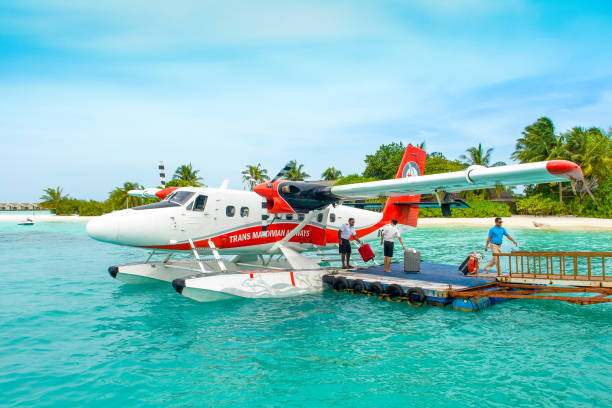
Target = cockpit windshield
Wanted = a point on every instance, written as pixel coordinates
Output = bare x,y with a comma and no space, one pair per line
180,197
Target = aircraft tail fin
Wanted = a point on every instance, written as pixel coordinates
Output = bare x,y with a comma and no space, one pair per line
413,164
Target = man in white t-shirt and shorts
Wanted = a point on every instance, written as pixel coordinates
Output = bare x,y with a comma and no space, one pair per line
345,233
387,240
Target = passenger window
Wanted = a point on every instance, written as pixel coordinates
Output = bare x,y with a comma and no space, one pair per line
332,217
289,217
264,204
230,210
265,216
244,211
320,218
301,217
199,203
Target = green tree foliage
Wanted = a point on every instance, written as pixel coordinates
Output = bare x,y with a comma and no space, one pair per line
436,163
538,204
179,183
256,174
478,156
331,174
352,179
479,209
51,198
539,142
186,173
590,148
296,173
384,163
120,199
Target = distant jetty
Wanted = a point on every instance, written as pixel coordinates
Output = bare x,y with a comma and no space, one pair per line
19,206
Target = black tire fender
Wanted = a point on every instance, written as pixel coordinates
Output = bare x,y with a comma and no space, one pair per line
415,296
394,291
376,288
340,283
358,285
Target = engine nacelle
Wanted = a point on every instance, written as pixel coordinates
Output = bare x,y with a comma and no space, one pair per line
285,197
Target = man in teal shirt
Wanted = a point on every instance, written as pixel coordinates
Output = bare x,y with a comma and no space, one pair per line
496,234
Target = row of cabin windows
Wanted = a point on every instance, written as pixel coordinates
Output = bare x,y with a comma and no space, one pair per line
332,217
200,203
230,211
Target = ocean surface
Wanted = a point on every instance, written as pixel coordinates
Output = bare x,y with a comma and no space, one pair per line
72,336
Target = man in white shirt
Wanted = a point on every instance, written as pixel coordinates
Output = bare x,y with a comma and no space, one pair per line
387,239
345,233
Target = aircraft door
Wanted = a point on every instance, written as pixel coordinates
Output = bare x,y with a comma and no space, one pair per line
197,216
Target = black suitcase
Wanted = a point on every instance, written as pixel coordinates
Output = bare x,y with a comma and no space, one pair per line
465,265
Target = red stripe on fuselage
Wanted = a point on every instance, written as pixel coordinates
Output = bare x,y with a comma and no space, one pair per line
251,236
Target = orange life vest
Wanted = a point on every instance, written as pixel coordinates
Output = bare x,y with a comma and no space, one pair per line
473,264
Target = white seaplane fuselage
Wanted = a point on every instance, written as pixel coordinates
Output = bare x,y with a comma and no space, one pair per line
236,221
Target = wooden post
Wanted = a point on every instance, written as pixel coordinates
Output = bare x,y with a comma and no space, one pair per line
589,267
497,264
575,266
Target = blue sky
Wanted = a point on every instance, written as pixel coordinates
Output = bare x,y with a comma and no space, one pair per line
93,94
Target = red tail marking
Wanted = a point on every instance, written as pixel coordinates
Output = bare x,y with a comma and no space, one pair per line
406,215
292,280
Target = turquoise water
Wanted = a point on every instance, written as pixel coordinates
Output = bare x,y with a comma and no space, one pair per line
70,335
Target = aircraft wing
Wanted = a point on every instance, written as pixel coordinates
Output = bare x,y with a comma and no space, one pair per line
473,178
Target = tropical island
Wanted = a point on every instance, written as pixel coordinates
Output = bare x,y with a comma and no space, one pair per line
591,148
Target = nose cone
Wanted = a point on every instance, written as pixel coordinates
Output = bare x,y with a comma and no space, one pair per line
263,190
103,228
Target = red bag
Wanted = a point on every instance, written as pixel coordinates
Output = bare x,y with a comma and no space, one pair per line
366,252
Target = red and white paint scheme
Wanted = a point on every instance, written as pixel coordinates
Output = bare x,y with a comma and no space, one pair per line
288,217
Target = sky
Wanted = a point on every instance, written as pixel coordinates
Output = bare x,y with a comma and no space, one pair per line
93,94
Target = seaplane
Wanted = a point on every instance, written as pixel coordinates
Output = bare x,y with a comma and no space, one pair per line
274,241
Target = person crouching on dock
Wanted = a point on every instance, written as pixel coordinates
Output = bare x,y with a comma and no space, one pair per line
345,233
496,235
387,239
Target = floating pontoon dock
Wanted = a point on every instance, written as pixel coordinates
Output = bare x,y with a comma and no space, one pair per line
529,275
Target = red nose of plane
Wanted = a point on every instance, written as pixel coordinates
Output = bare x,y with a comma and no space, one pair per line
264,190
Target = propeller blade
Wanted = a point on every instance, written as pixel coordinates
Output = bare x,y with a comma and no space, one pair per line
284,171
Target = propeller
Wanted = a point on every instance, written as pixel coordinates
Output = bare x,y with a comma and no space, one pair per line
283,173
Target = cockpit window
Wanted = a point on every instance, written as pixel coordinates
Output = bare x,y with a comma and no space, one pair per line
180,197
199,203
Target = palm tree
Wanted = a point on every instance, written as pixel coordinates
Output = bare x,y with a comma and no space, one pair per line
254,175
477,156
296,173
539,143
119,196
331,174
52,197
592,150
186,173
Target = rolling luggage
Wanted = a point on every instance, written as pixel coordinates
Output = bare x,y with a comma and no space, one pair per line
464,266
412,261
366,252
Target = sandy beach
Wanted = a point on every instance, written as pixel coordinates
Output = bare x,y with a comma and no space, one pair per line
526,221
517,221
